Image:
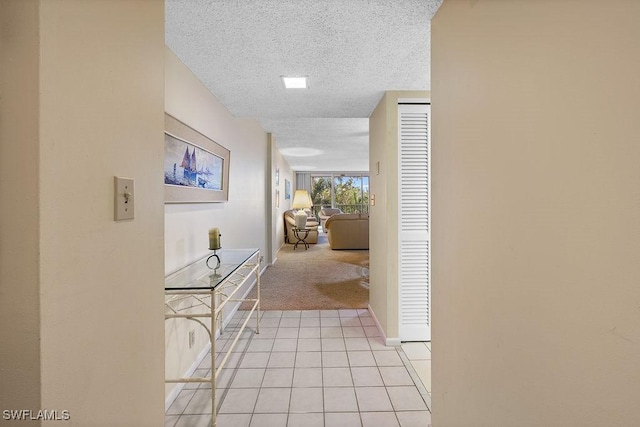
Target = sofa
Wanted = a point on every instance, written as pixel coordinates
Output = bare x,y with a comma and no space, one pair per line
348,231
290,223
325,214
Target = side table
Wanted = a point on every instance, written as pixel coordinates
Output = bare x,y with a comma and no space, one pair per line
301,234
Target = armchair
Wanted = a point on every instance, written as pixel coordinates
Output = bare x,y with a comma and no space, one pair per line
325,214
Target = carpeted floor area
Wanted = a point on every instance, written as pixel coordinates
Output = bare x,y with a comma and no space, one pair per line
316,279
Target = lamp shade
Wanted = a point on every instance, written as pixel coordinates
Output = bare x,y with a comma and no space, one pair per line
301,200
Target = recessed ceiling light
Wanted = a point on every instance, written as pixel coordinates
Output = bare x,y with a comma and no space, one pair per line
295,82
300,152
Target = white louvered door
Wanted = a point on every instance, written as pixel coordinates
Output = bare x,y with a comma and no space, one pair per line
414,222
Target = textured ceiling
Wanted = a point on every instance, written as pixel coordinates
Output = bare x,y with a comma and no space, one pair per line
352,51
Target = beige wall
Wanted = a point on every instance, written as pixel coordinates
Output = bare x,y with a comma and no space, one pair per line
92,282
379,136
536,213
19,216
279,162
383,217
242,220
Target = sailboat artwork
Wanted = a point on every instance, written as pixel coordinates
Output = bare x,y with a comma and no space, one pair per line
191,166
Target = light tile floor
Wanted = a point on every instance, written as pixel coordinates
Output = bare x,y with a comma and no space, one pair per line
311,368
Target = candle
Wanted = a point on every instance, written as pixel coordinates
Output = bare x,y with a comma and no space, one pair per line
214,238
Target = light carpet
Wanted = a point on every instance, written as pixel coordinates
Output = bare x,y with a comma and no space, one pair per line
315,279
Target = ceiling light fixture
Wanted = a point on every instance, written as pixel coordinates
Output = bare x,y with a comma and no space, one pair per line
300,151
295,82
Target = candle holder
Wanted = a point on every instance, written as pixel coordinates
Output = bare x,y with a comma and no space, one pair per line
215,255
214,245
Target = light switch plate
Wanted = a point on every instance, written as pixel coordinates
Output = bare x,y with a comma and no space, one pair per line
124,197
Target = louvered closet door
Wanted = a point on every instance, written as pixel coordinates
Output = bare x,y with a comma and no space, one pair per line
413,222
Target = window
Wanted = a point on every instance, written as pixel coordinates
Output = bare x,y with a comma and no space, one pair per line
347,192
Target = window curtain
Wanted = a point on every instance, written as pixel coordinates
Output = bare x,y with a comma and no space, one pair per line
303,181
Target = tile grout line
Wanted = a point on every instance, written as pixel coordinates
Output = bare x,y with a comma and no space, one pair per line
324,403
415,377
233,376
253,412
293,375
352,381
253,334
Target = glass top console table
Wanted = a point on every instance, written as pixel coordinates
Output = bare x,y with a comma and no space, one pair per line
200,292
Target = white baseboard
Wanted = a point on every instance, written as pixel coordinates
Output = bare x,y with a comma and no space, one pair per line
392,342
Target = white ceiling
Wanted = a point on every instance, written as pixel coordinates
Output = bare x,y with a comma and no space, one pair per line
352,51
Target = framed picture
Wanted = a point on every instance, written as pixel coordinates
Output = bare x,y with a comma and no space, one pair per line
277,176
196,168
287,189
277,198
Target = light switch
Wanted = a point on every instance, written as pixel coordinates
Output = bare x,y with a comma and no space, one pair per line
124,198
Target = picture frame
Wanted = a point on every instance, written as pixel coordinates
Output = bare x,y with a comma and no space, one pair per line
196,168
287,189
277,176
277,198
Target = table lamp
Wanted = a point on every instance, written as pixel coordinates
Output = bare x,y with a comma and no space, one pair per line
301,201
